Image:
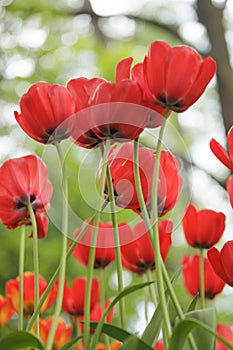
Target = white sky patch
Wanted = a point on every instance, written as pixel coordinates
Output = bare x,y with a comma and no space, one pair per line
127,279
109,8
19,67
119,27
32,37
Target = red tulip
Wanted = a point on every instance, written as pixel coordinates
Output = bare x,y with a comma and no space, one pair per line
6,310
123,71
74,298
45,110
113,110
82,90
225,332
96,314
230,189
24,181
42,225
222,262
159,345
121,167
62,335
100,346
138,254
12,291
105,251
191,275
178,76
225,157
204,228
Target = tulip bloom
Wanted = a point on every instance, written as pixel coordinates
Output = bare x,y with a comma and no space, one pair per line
105,251
225,157
100,346
108,111
6,310
138,255
123,71
96,314
222,262
225,332
45,110
62,335
203,229
121,163
178,76
12,291
191,275
30,186
74,298
230,189
82,90
159,345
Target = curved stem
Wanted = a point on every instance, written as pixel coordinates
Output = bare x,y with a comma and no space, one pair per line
139,189
154,217
21,272
63,250
90,268
151,288
202,279
146,299
117,246
102,302
149,229
35,263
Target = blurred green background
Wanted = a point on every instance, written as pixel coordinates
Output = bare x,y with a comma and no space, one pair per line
56,41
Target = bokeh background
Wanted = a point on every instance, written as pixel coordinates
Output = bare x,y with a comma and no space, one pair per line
55,41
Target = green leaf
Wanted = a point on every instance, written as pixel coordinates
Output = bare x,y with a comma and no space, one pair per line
151,332
71,343
130,343
193,304
20,340
126,291
121,335
204,323
202,338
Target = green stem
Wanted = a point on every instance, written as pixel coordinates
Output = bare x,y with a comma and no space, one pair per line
149,229
64,243
21,272
146,298
202,279
117,246
154,217
55,276
90,268
138,185
102,302
151,288
36,264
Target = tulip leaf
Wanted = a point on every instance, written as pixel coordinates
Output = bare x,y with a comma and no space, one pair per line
203,325
152,330
71,343
193,303
126,291
130,343
121,335
20,340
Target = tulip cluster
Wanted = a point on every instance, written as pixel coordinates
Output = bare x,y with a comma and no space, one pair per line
110,116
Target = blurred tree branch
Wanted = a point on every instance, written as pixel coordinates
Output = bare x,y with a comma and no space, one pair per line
212,18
